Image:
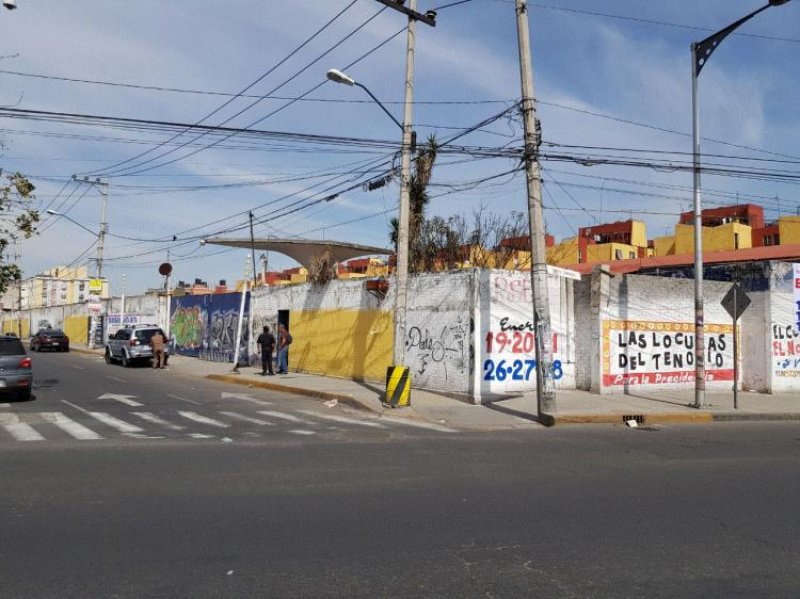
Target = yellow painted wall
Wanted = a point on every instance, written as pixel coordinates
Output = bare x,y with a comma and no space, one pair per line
638,234
607,252
720,238
684,239
12,326
789,229
77,329
355,344
565,252
664,246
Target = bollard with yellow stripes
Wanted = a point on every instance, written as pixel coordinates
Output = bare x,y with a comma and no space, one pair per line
398,386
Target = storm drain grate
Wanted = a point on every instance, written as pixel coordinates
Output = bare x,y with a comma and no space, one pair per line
639,418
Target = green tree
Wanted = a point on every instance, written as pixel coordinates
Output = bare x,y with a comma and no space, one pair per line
17,219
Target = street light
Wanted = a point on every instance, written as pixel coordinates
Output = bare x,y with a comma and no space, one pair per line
701,52
99,265
401,294
72,220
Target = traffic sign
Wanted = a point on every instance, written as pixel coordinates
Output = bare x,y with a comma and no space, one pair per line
735,301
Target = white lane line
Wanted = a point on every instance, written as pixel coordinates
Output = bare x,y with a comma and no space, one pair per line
244,418
19,430
203,419
125,400
69,426
282,416
116,378
426,425
5,405
300,431
75,366
342,419
150,417
116,423
258,402
200,436
178,397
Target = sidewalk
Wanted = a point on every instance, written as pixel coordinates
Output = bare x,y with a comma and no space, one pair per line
573,407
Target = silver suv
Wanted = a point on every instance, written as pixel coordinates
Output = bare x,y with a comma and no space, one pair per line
133,344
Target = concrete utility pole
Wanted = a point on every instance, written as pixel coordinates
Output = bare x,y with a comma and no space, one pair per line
401,297
545,387
101,237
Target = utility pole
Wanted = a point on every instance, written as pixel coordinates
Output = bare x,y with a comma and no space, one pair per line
253,251
545,387
401,273
18,261
101,238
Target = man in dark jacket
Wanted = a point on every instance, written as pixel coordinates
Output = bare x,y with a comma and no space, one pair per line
266,341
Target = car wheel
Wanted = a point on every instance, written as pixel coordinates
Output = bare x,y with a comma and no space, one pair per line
125,360
24,394
66,348
108,357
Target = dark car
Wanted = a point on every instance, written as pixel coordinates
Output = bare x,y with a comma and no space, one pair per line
16,375
50,339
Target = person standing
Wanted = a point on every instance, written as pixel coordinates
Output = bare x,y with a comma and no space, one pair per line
157,342
266,342
284,340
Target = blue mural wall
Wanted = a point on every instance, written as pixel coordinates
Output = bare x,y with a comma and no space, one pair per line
205,326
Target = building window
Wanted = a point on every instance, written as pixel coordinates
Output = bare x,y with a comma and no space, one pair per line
736,241
617,254
631,255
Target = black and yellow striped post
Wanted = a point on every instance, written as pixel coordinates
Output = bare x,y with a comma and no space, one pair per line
398,386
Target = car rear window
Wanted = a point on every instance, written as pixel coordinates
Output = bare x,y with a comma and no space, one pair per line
52,333
145,335
11,347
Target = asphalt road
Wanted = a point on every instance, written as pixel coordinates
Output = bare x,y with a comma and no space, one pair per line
348,509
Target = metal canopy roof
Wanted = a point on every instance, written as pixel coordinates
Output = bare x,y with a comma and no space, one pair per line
303,250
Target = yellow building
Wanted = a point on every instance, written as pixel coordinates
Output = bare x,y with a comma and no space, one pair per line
565,252
789,229
60,286
730,236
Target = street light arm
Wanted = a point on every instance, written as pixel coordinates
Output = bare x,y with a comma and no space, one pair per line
378,102
701,51
72,220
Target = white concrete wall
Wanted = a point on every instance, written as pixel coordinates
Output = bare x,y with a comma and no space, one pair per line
647,338
505,337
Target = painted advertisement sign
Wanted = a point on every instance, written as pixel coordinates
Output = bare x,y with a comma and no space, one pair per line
796,293
662,353
205,326
508,338
114,323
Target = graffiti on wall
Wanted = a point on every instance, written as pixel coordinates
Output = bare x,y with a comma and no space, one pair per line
662,353
786,350
206,326
187,329
440,350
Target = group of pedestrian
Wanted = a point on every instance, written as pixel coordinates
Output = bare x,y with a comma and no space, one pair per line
266,342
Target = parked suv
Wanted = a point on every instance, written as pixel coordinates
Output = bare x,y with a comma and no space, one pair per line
132,344
16,375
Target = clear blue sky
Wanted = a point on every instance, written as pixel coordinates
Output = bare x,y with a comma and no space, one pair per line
612,80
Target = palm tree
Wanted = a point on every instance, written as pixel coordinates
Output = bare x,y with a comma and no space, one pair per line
418,201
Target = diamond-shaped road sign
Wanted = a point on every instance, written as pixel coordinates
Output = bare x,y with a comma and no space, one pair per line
735,301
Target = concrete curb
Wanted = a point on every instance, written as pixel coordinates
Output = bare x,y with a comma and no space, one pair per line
664,418
348,400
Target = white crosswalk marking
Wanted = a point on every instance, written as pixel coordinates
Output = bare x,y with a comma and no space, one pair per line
69,426
116,423
244,418
282,416
342,419
418,424
203,419
19,430
150,417
5,405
